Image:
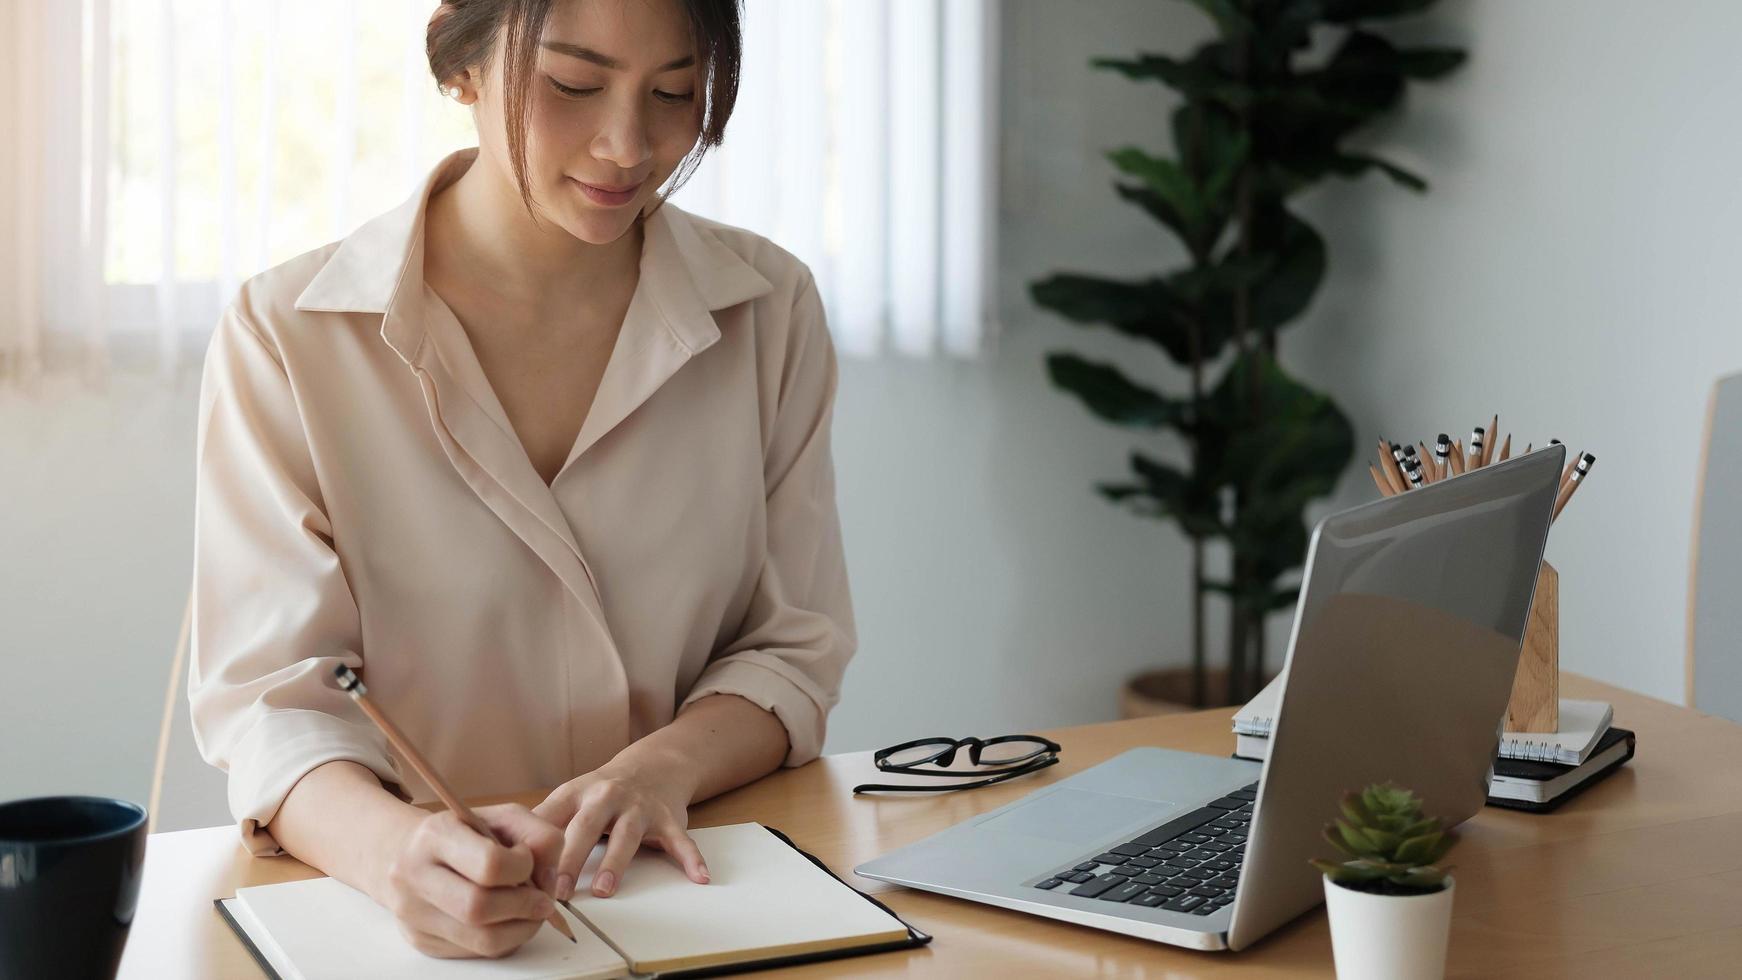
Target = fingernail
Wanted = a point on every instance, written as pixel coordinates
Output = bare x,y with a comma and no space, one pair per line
705,878
565,887
605,884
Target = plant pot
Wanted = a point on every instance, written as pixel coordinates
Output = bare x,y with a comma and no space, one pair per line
1389,937
1168,691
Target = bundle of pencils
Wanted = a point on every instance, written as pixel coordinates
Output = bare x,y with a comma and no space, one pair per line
1401,469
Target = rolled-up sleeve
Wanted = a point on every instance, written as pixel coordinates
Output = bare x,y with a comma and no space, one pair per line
272,611
798,632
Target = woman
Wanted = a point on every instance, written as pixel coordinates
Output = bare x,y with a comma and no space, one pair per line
547,461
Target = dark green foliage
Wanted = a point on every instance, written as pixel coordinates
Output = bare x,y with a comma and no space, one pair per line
1262,119
1386,843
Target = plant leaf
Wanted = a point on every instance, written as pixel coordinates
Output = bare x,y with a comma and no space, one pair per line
1356,164
1345,11
1281,445
1356,810
1146,309
1357,839
1167,178
1334,837
1110,394
1229,18
1418,850
1198,78
1428,63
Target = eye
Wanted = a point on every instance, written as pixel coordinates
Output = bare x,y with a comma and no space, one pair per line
567,91
673,97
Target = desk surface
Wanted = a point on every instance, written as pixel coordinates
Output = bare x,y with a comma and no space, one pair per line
1642,874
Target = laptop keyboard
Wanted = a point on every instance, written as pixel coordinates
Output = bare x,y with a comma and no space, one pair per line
1189,864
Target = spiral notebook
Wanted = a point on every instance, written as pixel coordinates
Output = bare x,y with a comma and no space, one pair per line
1582,723
768,904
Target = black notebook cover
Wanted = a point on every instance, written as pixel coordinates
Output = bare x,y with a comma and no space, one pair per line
1544,771
914,936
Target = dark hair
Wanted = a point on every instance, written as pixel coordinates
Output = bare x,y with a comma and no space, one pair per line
463,33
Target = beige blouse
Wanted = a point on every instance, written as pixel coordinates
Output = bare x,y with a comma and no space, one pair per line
362,499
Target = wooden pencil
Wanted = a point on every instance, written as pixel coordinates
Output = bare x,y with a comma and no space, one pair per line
1493,441
1506,450
353,685
1457,457
1413,468
1388,466
1583,469
1379,481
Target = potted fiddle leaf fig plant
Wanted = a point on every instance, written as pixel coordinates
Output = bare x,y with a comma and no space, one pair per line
1390,906
1259,114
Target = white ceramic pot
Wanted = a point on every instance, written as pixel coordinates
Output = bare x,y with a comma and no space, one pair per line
1389,937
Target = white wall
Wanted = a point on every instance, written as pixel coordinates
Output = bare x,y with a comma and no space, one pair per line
1573,268
96,541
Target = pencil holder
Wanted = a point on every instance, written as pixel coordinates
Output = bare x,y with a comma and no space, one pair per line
1535,703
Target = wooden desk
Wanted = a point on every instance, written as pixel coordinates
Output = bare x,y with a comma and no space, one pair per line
1640,875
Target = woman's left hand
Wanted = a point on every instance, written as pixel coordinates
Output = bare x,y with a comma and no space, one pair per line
632,804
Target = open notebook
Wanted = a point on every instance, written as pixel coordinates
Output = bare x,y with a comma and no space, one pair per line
767,904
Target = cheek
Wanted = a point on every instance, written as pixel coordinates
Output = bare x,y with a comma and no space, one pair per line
674,138
556,130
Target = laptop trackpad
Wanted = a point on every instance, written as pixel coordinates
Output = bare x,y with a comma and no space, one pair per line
1074,815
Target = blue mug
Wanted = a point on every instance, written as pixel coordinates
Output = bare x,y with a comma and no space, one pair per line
69,882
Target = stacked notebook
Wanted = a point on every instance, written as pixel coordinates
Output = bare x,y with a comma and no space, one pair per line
1533,770
767,904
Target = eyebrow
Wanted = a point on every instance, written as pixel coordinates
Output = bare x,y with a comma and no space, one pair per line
588,54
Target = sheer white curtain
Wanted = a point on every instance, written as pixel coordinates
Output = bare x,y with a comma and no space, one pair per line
157,152
863,142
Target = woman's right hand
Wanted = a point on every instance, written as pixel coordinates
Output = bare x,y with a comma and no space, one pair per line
457,894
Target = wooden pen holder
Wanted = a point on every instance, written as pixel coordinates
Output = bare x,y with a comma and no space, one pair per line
1535,703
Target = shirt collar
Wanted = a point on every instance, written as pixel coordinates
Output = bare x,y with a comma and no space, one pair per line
682,260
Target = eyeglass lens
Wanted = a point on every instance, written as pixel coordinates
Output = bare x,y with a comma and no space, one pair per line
1011,752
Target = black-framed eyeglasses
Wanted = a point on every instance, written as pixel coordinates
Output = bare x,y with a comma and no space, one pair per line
996,760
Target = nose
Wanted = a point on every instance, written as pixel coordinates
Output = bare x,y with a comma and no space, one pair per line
622,137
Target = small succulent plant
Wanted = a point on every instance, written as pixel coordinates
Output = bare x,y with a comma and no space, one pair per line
1388,846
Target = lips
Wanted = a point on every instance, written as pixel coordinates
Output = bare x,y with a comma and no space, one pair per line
605,198
621,189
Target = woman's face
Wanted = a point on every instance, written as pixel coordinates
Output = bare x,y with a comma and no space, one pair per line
615,102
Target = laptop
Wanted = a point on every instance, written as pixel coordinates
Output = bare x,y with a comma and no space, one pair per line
1406,636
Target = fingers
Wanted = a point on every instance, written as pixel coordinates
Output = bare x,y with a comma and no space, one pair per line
517,824
470,904
579,837
444,915
431,945
486,862
677,842
456,941
559,807
619,851
629,812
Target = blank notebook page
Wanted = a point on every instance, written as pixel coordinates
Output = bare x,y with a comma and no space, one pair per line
324,928
763,899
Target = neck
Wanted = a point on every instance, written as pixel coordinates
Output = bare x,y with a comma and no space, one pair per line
483,227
